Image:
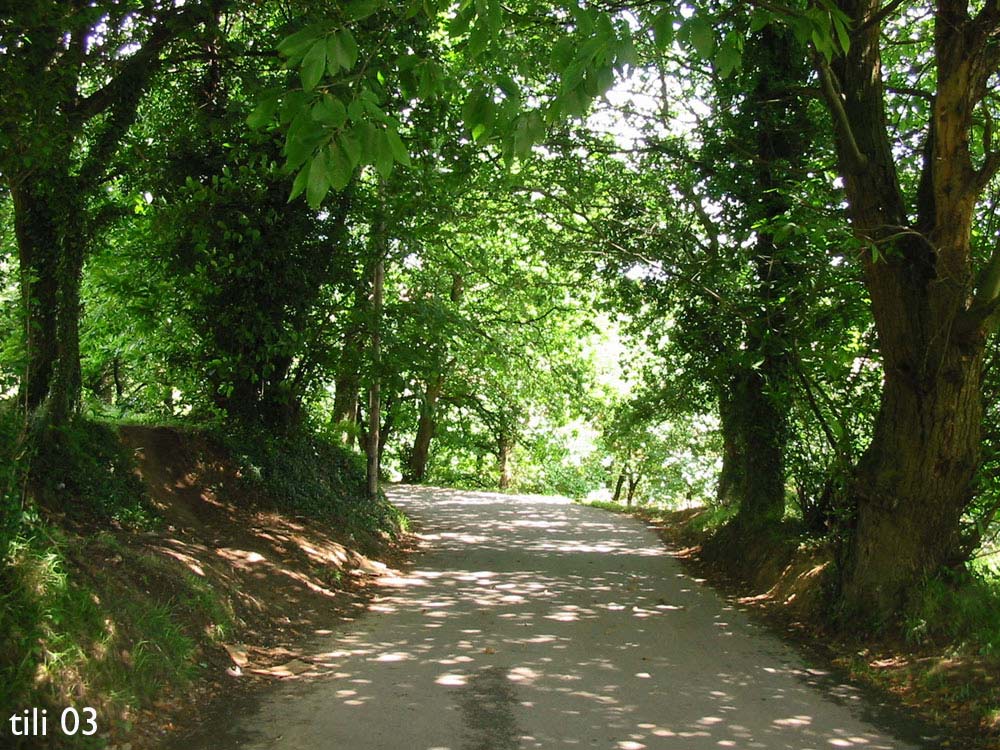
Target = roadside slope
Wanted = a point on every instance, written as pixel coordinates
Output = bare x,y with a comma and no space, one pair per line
151,627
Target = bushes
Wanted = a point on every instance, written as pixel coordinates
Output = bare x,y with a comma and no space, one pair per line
84,471
962,608
308,474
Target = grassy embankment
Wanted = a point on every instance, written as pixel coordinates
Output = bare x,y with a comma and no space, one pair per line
143,554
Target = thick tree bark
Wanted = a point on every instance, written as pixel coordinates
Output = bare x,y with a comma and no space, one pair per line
50,237
753,412
756,423
727,491
914,481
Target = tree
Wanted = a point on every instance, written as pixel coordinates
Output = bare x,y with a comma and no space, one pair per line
71,84
933,312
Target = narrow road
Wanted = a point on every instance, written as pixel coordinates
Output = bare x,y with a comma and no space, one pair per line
532,623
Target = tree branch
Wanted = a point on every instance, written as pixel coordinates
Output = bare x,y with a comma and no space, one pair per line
841,121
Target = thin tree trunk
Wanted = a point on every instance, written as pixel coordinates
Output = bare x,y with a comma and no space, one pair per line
374,392
618,486
387,424
633,484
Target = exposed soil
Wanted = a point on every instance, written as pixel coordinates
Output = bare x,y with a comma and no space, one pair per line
286,580
782,584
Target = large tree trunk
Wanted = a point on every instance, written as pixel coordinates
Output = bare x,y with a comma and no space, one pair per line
50,236
417,468
752,406
914,481
759,421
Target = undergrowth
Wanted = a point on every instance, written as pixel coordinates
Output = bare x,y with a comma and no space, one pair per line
84,618
93,622
83,470
960,608
309,474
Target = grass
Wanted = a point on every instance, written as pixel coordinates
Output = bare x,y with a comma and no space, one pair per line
309,474
961,609
116,633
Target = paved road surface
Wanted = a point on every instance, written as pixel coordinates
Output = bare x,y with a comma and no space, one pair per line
533,623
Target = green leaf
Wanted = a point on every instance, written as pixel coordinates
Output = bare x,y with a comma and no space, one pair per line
340,167
296,44
626,54
460,23
292,103
313,65
356,110
263,113
333,54
728,59
330,111
843,34
702,36
360,9
299,185
477,109
562,54
350,142
398,148
368,135
663,27
759,19
347,49
478,39
319,183
383,155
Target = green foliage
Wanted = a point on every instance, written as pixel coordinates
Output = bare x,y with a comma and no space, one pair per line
309,475
960,608
93,634
83,470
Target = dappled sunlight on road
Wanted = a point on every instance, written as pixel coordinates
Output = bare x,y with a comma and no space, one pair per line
529,622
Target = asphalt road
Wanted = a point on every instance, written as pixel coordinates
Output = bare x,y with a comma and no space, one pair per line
529,622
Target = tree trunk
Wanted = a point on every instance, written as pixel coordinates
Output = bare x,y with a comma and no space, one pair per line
752,406
387,424
505,448
754,435
914,480
374,394
51,249
417,469
727,493
761,422
633,484
345,404
618,486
